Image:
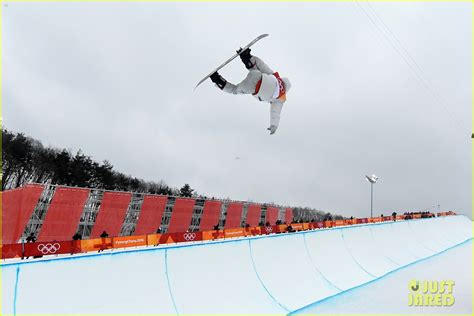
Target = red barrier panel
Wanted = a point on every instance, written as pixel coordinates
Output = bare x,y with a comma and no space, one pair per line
319,225
48,248
187,236
252,231
17,207
288,215
64,213
234,215
362,220
76,247
266,230
111,214
180,237
181,215
210,214
151,213
167,239
339,222
272,215
387,218
253,215
12,251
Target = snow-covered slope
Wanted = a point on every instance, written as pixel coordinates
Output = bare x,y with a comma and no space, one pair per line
275,274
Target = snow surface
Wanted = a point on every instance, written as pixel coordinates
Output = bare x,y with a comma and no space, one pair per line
276,274
389,295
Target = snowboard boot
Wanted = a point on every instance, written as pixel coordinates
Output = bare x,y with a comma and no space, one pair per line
245,57
218,80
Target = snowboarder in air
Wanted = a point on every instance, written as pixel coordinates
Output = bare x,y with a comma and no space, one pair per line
261,82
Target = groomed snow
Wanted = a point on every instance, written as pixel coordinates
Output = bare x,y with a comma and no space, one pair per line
274,274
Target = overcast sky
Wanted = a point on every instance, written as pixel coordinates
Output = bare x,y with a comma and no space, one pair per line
116,80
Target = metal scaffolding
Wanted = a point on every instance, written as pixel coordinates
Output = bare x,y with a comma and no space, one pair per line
244,214
131,217
39,213
263,215
89,213
165,220
197,215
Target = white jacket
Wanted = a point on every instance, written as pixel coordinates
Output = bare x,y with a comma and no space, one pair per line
268,90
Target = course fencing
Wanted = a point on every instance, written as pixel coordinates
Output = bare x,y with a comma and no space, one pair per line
54,247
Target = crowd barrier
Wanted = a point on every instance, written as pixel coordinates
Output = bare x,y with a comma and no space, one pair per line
39,249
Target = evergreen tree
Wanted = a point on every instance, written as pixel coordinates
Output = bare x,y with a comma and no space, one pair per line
186,191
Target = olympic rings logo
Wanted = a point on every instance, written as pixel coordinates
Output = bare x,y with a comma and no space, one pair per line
268,229
49,248
189,236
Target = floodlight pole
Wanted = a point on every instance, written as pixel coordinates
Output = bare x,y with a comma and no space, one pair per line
371,198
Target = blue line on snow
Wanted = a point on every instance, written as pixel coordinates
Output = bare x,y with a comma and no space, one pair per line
169,284
352,256
377,279
316,267
261,282
390,259
416,234
15,294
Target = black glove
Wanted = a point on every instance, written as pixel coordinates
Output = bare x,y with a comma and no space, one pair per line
218,80
245,57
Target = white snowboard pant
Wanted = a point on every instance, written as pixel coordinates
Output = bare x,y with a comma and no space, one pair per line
247,86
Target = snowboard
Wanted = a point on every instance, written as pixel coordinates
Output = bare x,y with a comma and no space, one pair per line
232,58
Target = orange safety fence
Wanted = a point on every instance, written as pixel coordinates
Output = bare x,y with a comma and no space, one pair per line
38,249
234,232
446,213
375,220
328,224
297,226
153,239
96,244
129,241
212,234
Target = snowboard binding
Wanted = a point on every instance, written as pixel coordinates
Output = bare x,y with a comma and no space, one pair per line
245,57
218,80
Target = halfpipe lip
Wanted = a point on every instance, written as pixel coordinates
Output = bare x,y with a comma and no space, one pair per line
194,244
